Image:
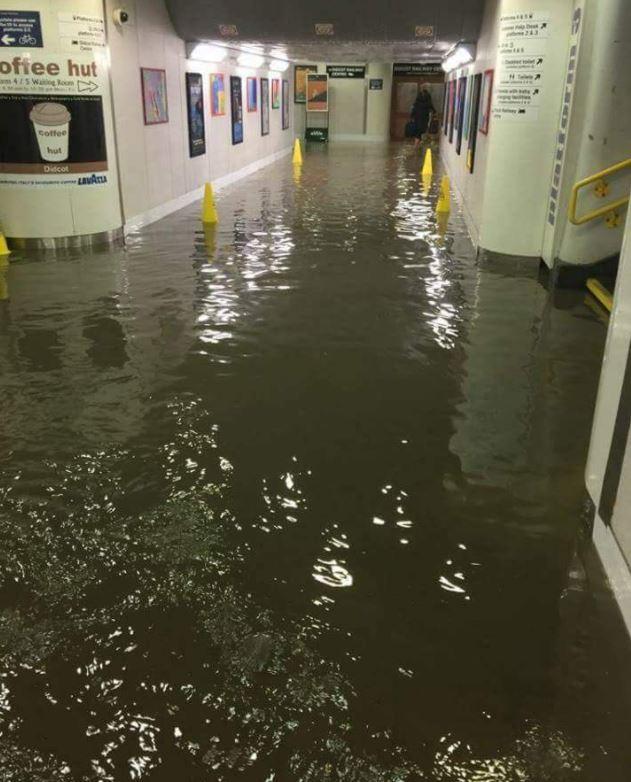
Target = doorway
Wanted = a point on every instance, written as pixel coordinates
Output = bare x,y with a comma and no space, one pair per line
404,92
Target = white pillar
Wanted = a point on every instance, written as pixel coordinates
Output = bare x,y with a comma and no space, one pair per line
58,172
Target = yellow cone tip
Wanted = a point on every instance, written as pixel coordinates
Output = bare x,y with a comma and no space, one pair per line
297,158
209,210
4,247
428,168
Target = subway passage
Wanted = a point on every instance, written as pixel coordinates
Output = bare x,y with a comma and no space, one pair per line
300,497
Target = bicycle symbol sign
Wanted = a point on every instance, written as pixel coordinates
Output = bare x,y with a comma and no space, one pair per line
20,28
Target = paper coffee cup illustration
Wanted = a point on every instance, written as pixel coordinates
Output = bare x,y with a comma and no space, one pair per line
52,128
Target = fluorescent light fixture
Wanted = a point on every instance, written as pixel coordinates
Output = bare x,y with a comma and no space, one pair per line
278,54
207,52
460,54
279,65
250,60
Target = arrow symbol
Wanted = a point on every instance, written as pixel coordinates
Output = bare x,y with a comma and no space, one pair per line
544,25
7,40
535,92
521,111
537,77
87,86
540,60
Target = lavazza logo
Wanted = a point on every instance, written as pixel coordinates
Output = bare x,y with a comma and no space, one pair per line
92,180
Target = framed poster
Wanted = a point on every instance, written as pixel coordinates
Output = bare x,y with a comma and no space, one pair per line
264,107
462,92
452,108
473,127
217,95
195,111
467,108
251,93
285,104
317,92
300,81
485,104
236,109
276,93
445,106
154,95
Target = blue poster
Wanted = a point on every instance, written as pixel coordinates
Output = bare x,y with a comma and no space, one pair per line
20,29
236,104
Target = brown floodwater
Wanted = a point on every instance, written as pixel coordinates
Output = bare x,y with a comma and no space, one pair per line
300,499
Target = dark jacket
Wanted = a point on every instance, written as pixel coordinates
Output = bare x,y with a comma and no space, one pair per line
421,112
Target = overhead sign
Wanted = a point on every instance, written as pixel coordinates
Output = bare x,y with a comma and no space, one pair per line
81,32
346,71
416,68
522,45
21,29
424,31
51,121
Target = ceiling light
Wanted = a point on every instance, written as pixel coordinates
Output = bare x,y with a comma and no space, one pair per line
459,55
250,60
279,65
278,54
207,52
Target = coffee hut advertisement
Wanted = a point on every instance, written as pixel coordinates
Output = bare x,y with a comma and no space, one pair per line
51,121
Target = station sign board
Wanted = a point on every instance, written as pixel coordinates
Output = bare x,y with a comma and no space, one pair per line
346,71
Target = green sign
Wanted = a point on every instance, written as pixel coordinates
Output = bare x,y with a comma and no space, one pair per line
317,134
416,68
346,71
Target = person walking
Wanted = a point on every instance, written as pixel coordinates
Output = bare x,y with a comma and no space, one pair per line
421,113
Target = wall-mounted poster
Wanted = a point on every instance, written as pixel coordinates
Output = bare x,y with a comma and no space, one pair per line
467,108
445,106
317,92
154,95
276,93
195,107
473,126
452,108
252,93
485,104
264,107
217,95
300,81
462,93
236,109
285,104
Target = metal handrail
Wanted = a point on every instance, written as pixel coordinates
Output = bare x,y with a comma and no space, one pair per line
603,210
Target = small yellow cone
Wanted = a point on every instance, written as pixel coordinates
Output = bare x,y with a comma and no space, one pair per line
209,210
428,168
4,248
427,183
444,199
297,173
297,158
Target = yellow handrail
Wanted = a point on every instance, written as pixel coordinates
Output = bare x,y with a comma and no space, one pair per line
603,210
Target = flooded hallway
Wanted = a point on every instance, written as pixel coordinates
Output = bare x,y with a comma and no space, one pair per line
297,480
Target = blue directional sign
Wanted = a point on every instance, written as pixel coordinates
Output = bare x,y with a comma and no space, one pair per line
21,29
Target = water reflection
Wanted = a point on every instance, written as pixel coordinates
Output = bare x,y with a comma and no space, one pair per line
296,497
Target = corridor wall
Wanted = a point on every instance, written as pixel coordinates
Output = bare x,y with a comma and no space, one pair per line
506,196
356,113
157,173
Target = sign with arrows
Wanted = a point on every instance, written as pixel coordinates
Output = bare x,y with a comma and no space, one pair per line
522,47
20,29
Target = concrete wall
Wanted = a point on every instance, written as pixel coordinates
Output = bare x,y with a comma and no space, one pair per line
599,130
608,474
506,197
157,173
355,112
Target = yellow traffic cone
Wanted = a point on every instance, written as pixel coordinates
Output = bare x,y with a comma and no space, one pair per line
297,158
4,248
444,199
297,173
427,169
209,210
427,183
